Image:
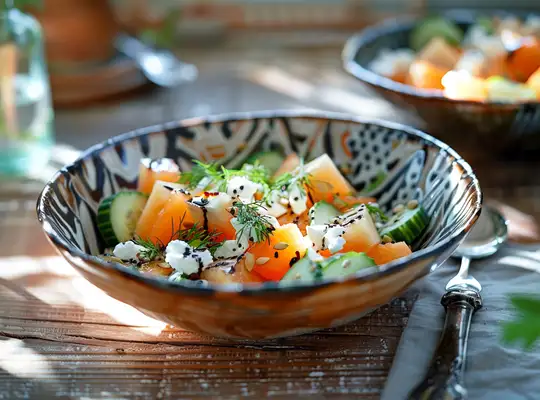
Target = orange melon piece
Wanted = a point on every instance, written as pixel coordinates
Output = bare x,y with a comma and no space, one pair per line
347,202
302,221
211,210
524,61
385,253
534,82
326,181
150,171
425,75
222,276
174,213
360,232
438,52
290,164
460,85
156,201
273,260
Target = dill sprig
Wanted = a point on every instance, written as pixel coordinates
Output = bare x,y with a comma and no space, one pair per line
196,236
220,176
200,171
298,176
151,250
255,225
377,212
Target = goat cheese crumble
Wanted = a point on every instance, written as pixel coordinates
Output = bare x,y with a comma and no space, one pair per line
326,237
240,187
128,251
185,259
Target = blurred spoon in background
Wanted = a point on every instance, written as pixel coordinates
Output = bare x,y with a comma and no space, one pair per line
159,66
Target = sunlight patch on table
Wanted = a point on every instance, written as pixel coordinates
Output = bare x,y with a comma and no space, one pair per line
23,362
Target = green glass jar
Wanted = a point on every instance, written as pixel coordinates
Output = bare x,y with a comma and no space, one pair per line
26,115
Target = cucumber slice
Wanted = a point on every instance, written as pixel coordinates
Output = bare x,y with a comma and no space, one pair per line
304,270
501,89
118,215
406,226
347,264
271,160
336,266
435,27
323,213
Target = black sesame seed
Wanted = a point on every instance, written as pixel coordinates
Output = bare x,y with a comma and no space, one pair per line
276,255
296,199
234,249
235,191
241,187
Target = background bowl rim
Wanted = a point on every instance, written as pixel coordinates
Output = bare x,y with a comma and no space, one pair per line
190,287
366,36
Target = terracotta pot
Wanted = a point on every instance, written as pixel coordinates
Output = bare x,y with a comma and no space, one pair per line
76,32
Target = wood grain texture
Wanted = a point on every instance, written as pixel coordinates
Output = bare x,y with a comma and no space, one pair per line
62,337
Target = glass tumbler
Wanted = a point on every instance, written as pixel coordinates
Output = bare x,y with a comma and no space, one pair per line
26,115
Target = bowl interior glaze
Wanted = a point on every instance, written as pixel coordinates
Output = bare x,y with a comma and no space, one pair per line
389,161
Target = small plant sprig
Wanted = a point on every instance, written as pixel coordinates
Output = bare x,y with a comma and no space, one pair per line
220,176
377,212
200,171
151,250
252,222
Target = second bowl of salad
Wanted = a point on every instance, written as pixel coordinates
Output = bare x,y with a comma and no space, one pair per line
472,77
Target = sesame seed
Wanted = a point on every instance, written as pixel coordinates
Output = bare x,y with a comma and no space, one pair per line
262,260
250,261
411,205
296,199
386,239
284,201
312,268
241,187
346,263
399,208
297,276
276,255
281,246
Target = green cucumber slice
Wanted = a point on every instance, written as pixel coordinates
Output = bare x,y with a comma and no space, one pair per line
347,264
407,225
323,213
118,215
304,270
435,27
336,266
271,160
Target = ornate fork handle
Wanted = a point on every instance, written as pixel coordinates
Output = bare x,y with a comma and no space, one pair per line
444,379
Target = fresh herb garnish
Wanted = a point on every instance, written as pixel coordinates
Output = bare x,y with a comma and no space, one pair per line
196,236
377,212
200,171
526,327
151,250
219,176
253,224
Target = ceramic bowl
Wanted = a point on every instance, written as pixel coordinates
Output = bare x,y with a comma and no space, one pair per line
415,166
463,124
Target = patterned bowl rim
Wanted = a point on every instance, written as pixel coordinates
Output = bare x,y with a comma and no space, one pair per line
365,37
189,287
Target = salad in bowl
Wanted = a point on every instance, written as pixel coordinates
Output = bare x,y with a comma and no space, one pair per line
272,219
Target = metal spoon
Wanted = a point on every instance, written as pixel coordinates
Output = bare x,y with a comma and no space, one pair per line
444,379
159,66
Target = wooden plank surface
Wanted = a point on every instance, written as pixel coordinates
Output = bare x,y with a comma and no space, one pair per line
60,337
64,337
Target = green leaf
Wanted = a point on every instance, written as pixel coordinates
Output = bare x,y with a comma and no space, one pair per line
526,326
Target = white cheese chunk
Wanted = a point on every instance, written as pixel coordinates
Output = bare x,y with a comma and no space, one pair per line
128,251
240,187
183,258
297,198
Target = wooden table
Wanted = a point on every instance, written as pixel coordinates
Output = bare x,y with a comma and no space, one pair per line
64,338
